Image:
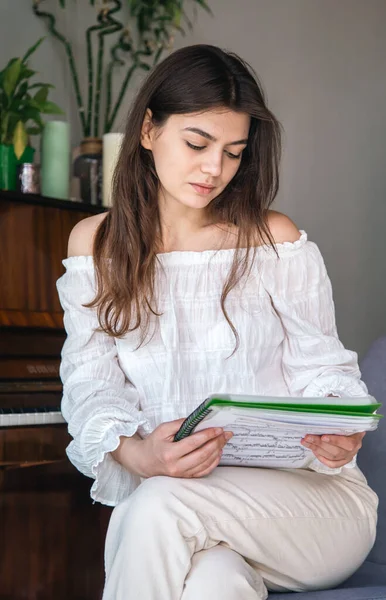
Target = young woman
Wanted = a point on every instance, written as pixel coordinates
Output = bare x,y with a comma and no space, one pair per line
190,285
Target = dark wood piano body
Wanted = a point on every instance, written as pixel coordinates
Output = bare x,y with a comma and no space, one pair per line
51,534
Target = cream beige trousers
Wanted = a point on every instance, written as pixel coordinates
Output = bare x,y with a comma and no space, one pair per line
237,533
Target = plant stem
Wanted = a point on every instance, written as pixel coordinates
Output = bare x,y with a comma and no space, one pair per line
158,54
115,60
70,56
90,68
121,95
136,64
112,26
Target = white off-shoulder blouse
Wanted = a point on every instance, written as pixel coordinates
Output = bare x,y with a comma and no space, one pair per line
283,312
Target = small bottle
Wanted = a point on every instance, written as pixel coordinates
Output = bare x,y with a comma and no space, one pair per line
87,169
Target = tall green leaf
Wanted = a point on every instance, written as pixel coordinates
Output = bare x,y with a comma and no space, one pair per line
50,108
20,139
34,115
18,98
14,118
204,5
41,95
32,50
10,62
11,77
35,85
26,73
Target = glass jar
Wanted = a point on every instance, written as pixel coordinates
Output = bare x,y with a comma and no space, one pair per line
87,171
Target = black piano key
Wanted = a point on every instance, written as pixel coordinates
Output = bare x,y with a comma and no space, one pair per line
28,410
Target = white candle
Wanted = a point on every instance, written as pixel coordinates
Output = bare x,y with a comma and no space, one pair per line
111,147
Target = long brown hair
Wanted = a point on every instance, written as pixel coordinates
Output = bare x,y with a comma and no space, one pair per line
192,79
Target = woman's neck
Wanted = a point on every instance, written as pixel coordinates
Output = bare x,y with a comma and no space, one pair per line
208,237
184,228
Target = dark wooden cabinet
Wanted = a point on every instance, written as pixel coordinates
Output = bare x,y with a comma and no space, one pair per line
51,534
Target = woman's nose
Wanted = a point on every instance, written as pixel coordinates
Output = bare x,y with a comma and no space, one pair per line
212,165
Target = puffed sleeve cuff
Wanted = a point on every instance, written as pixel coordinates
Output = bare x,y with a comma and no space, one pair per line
336,384
91,454
319,467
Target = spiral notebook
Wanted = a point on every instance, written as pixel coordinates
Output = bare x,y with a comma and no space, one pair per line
267,431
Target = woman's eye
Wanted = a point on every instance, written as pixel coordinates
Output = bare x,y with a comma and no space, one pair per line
234,155
194,147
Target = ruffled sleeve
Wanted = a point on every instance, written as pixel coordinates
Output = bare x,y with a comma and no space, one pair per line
98,403
315,362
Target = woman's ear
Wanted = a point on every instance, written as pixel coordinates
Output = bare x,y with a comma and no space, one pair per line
146,131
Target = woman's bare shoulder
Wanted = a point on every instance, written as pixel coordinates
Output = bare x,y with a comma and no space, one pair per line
81,238
282,228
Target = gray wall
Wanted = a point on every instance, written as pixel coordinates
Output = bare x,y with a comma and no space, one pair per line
323,66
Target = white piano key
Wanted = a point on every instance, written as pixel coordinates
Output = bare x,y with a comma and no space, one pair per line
35,418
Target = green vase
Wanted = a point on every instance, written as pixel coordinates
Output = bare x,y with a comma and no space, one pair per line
7,168
8,164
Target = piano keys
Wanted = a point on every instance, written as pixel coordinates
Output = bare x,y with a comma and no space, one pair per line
20,417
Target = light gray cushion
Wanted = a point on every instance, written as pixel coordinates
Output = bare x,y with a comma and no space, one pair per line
372,457
363,593
372,461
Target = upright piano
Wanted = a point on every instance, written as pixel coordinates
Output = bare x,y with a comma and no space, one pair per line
51,534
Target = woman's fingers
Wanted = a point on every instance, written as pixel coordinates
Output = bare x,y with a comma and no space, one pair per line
324,448
208,470
206,467
203,456
327,459
331,453
193,463
175,459
197,440
334,447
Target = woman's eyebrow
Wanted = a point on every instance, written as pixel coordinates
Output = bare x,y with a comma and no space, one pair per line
210,137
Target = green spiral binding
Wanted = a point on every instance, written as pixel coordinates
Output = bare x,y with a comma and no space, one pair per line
192,421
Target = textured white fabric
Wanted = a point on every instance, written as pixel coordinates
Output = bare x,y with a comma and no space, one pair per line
283,312
296,529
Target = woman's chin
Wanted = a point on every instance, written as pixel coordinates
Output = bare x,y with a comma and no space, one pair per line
195,201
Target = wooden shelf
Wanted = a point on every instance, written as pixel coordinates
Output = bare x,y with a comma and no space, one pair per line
51,202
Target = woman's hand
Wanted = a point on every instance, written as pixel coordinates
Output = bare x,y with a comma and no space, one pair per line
334,450
194,456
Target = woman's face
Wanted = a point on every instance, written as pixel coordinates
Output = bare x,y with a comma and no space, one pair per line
196,155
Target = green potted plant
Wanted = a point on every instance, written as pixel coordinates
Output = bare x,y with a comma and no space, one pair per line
22,104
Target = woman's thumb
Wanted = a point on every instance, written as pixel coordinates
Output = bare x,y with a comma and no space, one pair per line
171,427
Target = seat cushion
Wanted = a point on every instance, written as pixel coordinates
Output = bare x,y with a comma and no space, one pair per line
372,460
372,457
362,593
370,573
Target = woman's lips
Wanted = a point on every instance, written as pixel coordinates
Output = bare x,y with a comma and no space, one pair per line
200,189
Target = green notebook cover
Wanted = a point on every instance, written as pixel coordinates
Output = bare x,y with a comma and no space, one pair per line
363,407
